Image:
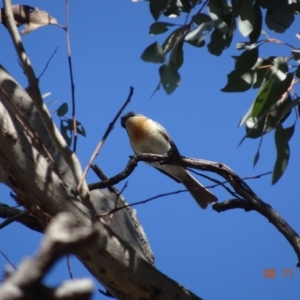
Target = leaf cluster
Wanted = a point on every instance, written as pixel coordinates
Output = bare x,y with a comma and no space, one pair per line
274,77
67,124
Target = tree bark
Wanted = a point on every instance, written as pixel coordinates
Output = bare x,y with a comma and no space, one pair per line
33,167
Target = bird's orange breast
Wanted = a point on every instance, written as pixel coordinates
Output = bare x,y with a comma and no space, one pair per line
137,129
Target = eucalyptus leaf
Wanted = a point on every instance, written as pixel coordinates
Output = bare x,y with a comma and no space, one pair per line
176,57
199,34
246,60
237,82
159,27
169,77
62,110
218,42
256,158
65,129
246,18
257,25
171,39
296,55
201,18
157,7
153,53
283,152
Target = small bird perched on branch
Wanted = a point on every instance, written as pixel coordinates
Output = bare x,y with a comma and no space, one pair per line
147,136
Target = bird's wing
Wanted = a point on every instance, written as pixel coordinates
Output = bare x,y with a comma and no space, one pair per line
165,134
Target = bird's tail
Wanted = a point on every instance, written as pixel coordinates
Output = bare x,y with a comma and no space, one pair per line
202,195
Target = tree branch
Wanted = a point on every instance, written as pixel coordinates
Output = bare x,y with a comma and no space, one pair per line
62,236
251,200
115,258
35,94
14,215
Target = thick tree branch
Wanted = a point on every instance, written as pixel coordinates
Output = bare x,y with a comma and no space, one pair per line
41,107
62,236
28,220
251,200
115,258
132,213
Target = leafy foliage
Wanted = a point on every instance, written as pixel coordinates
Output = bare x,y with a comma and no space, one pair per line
274,77
67,126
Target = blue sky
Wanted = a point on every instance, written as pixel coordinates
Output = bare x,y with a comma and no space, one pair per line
215,255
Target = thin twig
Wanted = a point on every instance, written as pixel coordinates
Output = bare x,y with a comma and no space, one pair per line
8,259
71,77
69,266
218,183
107,132
141,202
48,62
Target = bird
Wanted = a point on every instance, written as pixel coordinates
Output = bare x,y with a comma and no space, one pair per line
148,136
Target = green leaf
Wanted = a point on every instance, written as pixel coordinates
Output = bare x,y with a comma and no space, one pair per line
258,20
217,11
279,17
297,73
201,18
270,92
176,57
218,42
245,45
196,44
153,53
237,82
183,5
197,35
246,18
263,95
80,129
171,39
256,158
247,116
175,7
62,110
268,118
159,27
280,67
283,152
64,129
46,95
169,77
246,60
289,132
156,89
296,55
157,7
260,69
287,109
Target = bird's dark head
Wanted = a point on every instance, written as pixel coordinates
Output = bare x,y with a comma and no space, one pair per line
126,117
